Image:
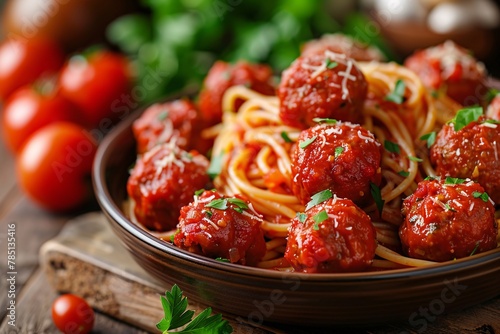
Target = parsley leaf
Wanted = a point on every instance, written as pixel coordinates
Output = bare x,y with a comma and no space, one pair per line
301,217
391,147
466,116
453,180
325,120
319,198
484,196
377,197
198,192
397,95
240,204
319,218
174,307
415,159
448,207
338,151
404,173
219,204
491,94
307,142
215,167
430,138
285,137
330,64
162,116
475,249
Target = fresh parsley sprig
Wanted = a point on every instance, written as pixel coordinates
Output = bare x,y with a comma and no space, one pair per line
174,307
466,116
397,95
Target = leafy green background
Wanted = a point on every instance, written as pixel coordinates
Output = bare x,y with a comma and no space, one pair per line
180,39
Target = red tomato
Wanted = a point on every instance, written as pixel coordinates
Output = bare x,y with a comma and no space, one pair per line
72,314
95,83
54,166
22,62
28,109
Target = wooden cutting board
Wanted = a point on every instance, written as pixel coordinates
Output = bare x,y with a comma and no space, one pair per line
87,259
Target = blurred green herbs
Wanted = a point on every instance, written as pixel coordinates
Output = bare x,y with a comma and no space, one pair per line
176,43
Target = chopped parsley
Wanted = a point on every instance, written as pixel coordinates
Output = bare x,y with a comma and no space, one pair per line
162,116
222,259
307,142
491,94
404,173
319,198
391,147
377,197
448,207
430,138
219,204
222,204
240,204
397,95
301,217
215,167
415,159
198,192
453,180
466,116
319,218
285,137
475,249
325,120
484,196
330,64
338,151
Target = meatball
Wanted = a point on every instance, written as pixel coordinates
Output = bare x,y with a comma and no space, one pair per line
344,158
164,180
340,43
472,152
223,75
218,226
447,219
453,69
177,120
493,111
333,236
329,85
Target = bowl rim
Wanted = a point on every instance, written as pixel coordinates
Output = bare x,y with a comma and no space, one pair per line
110,208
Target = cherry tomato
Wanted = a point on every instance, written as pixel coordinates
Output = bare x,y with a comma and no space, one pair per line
54,166
72,314
22,62
29,109
95,82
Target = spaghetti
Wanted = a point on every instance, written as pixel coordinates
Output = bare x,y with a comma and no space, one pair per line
255,145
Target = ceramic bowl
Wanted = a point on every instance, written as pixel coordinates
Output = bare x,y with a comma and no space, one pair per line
259,296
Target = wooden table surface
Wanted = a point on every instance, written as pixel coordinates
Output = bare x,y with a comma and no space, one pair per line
33,295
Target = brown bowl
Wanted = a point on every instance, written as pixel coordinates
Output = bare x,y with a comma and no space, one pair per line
258,295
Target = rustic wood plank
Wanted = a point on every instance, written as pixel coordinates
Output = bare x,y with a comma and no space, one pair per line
34,315
7,174
33,227
89,260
